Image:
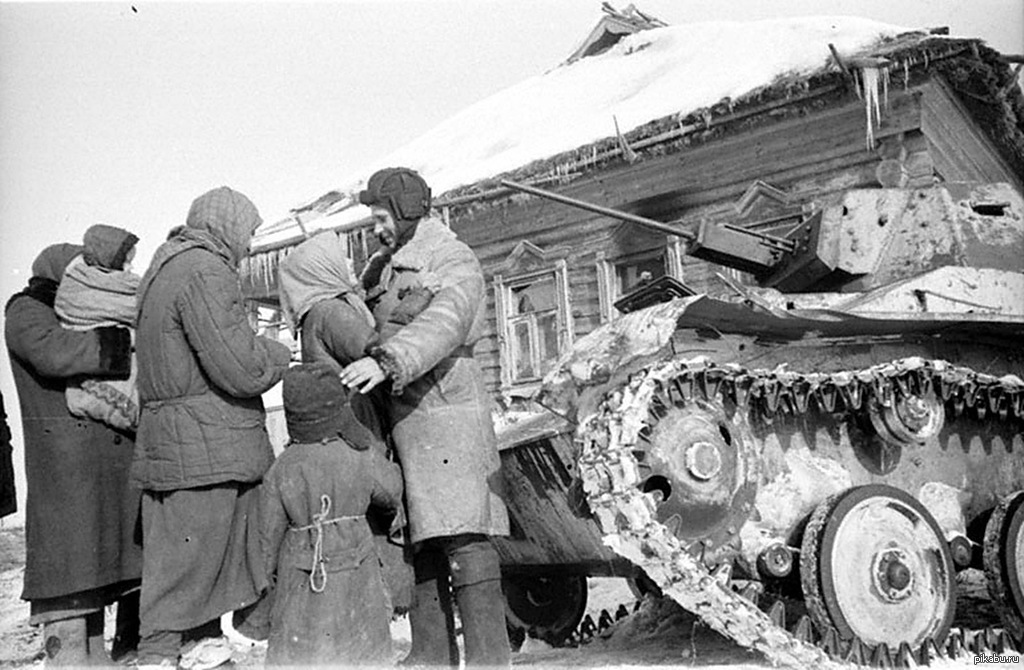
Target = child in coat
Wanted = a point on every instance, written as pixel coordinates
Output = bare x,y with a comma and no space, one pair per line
329,600
99,289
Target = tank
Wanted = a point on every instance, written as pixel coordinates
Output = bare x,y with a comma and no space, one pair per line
808,464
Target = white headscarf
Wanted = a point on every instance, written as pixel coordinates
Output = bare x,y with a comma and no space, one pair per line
317,270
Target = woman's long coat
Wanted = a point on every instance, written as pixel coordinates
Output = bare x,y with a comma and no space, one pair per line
439,411
347,622
81,512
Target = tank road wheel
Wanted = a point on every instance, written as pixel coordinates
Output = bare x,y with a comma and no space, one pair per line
547,607
1004,562
874,565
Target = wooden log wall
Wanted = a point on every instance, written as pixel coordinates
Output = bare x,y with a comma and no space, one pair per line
812,158
960,150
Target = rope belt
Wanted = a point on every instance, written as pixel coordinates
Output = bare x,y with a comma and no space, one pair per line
318,573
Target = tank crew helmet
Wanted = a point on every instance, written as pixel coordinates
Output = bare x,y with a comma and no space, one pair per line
401,190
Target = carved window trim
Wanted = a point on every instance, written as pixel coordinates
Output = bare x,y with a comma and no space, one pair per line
504,321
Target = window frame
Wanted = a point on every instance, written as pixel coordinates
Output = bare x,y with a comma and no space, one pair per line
671,253
503,287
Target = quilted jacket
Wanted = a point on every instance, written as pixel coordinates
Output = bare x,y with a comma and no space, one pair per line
202,369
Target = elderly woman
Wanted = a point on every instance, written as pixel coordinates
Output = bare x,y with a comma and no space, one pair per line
322,300
202,445
81,548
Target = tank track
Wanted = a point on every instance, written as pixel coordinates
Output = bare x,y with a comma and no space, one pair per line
610,474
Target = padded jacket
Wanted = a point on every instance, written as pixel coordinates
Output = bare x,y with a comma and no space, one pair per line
202,371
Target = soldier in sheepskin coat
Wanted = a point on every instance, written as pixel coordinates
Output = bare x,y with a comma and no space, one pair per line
426,290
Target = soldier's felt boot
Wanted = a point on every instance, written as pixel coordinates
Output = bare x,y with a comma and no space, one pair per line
66,643
431,617
126,627
476,581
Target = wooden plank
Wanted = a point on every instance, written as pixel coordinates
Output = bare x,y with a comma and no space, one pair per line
961,152
695,176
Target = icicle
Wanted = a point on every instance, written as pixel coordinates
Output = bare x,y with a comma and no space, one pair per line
885,88
857,83
869,77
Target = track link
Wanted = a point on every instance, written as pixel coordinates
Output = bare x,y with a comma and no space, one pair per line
627,516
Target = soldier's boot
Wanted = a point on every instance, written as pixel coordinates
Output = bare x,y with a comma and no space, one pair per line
431,617
126,628
476,581
65,643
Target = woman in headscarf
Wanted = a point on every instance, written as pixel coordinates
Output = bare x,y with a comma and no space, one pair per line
322,300
321,296
81,547
203,446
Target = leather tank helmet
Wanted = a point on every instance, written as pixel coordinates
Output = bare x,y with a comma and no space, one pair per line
401,190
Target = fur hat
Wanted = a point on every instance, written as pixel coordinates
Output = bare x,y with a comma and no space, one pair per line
314,402
107,246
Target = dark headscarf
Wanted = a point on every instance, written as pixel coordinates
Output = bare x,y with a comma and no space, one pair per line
53,260
108,246
47,271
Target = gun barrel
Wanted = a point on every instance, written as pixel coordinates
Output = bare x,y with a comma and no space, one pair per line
598,209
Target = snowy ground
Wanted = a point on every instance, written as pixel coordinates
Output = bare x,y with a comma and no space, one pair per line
658,634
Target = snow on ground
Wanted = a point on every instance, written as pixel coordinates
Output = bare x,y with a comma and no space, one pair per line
647,75
659,634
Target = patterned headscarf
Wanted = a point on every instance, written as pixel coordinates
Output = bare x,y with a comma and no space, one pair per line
228,217
221,221
316,270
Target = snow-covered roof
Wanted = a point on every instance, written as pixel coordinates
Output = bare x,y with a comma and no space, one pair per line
648,75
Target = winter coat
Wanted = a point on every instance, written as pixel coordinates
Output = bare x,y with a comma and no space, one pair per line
335,332
329,607
81,512
430,315
8,495
201,371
